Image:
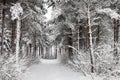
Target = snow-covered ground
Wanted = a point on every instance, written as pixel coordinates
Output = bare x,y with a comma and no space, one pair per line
50,71
49,61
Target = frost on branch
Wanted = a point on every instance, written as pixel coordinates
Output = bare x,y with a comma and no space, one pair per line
16,11
113,14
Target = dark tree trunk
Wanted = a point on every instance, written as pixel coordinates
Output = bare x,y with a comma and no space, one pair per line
30,48
13,36
21,35
34,45
81,40
116,39
3,26
98,35
87,38
35,48
56,51
70,43
27,50
40,51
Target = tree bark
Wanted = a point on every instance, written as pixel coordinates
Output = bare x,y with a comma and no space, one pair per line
3,26
35,48
56,51
81,39
13,36
78,40
98,35
34,45
90,43
18,32
39,50
116,39
70,43
27,50
44,52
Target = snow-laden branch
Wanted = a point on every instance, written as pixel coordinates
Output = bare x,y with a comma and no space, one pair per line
16,11
113,14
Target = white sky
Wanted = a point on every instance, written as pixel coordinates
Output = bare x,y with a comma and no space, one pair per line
48,15
51,13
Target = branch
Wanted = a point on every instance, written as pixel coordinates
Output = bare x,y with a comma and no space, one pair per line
25,16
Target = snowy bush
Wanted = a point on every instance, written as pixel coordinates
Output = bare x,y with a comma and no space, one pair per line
105,62
6,70
104,58
80,62
9,70
7,40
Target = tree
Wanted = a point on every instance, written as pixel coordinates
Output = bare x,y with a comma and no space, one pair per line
3,25
115,16
90,42
116,39
16,12
13,35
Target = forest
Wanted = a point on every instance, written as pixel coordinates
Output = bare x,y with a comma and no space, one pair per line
74,39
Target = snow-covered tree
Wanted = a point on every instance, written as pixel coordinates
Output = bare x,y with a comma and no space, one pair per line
116,21
16,12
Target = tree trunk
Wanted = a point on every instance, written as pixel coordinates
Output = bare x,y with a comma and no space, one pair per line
18,32
34,45
90,43
30,49
98,35
42,48
27,50
70,43
87,38
116,39
13,36
3,26
81,39
56,51
78,40
39,50
44,52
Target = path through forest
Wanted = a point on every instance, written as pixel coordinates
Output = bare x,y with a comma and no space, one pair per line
50,71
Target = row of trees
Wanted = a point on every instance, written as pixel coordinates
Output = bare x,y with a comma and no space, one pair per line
21,25
25,11
86,29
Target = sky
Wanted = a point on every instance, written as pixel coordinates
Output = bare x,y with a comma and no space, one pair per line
48,15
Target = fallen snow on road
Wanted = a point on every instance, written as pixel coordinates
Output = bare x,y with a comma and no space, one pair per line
49,61
56,71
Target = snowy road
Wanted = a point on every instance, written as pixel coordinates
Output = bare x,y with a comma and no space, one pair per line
47,71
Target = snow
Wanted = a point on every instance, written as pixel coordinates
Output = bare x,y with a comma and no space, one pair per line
16,11
113,14
49,61
49,12
45,71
